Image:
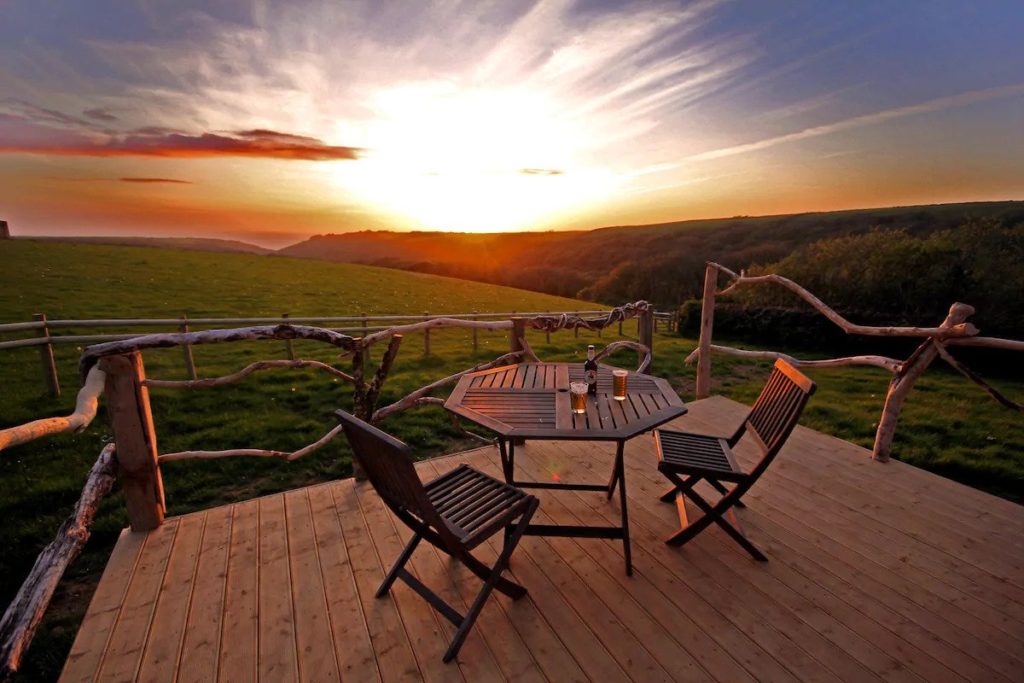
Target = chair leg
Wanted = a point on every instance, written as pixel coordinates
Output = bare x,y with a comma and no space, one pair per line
399,564
717,485
490,583
670,495
712,514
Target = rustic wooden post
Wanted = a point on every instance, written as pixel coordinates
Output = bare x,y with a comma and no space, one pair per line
46,356
365,349
475,341
576,331
516,334
904,379
707,320
359,397
190,362
426,335
620,328
646,336
289,349
134,439
547,334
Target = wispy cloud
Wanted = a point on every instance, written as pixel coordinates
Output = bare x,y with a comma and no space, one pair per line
937,104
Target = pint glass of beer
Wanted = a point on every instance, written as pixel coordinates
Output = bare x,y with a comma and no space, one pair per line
619,384
578,394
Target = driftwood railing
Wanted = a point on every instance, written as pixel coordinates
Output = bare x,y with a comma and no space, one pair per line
361,324
953,331
115,368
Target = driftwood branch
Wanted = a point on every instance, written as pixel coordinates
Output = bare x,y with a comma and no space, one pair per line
160,341
245,372
411,399
963,329
626,344
85,413
552,323
974,377
25,612
256,452
373,390
890,364
528,352
987,342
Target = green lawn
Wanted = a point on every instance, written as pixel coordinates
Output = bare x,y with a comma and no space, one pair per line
949,426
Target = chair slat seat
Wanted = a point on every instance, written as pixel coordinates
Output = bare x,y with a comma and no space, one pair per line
473,503
696,453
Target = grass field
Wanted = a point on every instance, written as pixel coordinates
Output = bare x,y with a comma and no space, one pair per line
948,426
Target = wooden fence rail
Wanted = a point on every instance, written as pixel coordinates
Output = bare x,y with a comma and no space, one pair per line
953,331
45,339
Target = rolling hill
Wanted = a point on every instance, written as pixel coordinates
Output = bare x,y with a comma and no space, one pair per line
660,262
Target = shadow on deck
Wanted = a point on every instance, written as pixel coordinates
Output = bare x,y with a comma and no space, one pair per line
876,571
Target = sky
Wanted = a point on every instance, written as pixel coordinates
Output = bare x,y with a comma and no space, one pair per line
271,121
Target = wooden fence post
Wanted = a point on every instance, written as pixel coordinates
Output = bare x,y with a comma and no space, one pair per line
190,362
134,439
475,341
707,321
620,328
517,333
426,335
547,334
646,336
46,356
288,347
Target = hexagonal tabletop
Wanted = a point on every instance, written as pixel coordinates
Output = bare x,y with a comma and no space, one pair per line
531,401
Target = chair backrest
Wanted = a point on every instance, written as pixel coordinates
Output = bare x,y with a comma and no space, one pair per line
777,409
389,466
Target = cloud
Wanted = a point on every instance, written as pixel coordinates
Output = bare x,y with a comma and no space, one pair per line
21,135
937,104
541,171
99,114
173,181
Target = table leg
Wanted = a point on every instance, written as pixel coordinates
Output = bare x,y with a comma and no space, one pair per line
503,452
621,477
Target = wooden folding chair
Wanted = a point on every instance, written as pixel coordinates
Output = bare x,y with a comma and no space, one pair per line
685,459
455,512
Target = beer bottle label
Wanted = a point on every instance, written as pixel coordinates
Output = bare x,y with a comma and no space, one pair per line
591,376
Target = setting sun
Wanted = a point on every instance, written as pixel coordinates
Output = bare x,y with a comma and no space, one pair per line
440,157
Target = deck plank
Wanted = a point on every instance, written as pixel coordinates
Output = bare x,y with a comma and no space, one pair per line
352,644
240,628
199,653
121,660
876,572
160,658
277,656
313,640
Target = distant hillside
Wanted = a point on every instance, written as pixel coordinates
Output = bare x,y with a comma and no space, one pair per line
190,243
662,262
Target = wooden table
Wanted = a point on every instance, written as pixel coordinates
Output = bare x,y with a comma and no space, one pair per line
531,401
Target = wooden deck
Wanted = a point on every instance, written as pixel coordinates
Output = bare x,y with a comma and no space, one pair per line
876,571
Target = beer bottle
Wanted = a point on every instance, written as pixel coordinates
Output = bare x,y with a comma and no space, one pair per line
590,371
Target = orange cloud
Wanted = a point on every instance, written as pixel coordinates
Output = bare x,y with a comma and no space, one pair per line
20,135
